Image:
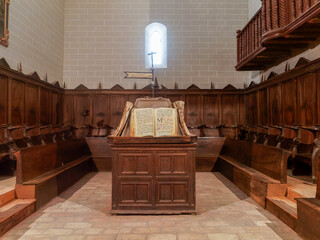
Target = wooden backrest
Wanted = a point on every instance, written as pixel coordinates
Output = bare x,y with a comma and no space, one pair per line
35,161
268,160
33,131
211,132
318,185
16,133
73,149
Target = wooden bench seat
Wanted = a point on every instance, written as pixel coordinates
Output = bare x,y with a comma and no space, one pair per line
43,172
47,176
258,170
248,170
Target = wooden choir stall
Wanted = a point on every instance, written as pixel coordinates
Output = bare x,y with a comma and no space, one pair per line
153,160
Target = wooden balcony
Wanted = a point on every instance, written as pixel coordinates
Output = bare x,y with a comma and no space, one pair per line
279,30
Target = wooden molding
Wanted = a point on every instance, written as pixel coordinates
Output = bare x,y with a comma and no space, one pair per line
4,63
81,87
229,87
193,86
117,87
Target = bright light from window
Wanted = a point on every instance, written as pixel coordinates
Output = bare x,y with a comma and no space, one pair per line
156,41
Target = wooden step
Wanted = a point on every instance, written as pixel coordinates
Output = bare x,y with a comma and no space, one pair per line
14,212
8,196
284,209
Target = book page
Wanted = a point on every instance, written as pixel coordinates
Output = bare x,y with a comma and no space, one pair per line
166,122
143,119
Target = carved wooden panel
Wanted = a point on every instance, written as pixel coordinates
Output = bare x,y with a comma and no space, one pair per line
68,105
100,109
31,104
135,164
252,108
263,106
289,99
116,106
152,177
172,163
57,108
307,99
3,99
242,110
135,192
193,110
275,105
45,110
17,102
211,110
82,104
168,192
228,110
174,98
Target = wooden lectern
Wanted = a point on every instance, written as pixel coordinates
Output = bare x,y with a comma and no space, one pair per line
153,175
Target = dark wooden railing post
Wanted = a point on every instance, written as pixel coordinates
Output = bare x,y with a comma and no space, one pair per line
293,7
238,45
263,16
301,7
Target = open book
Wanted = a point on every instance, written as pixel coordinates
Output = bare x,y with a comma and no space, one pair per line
154,122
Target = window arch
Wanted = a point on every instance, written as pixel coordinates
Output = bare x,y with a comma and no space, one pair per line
156,41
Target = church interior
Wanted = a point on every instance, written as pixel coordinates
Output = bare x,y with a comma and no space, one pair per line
160,120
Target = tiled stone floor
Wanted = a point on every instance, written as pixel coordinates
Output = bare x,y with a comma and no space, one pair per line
81,212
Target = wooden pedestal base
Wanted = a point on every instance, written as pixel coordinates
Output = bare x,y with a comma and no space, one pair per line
150,177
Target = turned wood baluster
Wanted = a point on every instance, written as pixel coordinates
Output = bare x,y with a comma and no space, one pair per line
259,30
238,46
263,16
293,6
283,13
308,4
275,13
301,7
268,15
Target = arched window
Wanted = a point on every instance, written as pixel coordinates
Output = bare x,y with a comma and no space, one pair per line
156,41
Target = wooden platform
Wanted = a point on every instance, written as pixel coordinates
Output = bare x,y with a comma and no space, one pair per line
13,211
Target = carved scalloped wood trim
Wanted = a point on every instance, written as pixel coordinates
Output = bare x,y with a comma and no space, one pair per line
117,87
148,87
193,86
81,87
302,61
4,63
35,75
271,75
56,84
163,87
252,84
229,87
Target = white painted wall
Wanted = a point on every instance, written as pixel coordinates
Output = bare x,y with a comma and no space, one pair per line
36,37
105,38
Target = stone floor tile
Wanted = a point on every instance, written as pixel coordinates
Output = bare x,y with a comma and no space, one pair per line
162,236
82,212
222,236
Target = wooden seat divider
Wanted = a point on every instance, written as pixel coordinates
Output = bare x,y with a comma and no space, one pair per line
258,170
43,172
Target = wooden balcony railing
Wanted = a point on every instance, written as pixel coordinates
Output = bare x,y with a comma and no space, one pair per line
275,19
249,38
